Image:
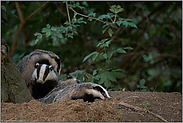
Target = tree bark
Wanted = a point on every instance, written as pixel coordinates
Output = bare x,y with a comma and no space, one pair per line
13,87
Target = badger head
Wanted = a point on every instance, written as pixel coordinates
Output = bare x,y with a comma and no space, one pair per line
43,73
96,92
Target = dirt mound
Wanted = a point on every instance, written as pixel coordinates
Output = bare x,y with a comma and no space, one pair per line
124,106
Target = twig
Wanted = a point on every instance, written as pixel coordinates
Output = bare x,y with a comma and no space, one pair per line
23,21
60,10
86,15
13,47
136,108
36,10
68,13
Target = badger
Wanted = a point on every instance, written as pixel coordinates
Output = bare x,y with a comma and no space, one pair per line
86,91
40,70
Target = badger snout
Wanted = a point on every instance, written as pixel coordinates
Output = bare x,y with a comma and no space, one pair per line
40,81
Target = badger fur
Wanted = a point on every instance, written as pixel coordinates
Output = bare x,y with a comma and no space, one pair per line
68,81
40,70
86,91
43,80
64,83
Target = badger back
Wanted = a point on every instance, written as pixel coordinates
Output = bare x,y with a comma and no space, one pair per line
26,65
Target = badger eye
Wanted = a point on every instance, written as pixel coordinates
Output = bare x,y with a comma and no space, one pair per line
51,67
69,77
36,65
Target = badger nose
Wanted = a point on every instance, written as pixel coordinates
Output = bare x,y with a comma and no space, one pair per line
40,81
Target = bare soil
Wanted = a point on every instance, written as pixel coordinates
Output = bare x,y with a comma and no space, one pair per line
123,107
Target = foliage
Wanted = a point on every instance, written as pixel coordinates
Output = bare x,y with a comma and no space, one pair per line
141,85
100,76
103,35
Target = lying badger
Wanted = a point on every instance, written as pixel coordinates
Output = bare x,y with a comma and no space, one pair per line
41,71
86,91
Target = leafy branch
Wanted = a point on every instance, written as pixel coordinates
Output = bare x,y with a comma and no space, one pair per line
107,27
106,76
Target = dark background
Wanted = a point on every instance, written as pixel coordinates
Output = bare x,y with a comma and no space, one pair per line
157,43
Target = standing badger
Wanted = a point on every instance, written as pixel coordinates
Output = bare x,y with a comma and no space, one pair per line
40,70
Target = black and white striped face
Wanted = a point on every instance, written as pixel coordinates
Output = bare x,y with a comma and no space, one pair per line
43,73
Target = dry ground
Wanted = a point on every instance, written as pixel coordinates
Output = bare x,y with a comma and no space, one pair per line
124,106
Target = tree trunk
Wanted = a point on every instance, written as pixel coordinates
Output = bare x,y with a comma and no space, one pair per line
13,87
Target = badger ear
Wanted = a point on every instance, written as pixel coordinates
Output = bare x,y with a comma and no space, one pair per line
69,77
51,67
36,65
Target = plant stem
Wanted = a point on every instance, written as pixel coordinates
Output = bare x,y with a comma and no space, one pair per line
86,16
68,13
115,17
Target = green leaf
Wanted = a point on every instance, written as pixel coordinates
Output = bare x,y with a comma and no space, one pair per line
59,35
143,90
143,87
37,34
128,48
95,72
128,19
80,20
53,28
111,76
120,20
105,29
104,55
132,25
88,56
110,32
120,70
120,50
48,26
138,86
107,43
119,23
125,23
119,73
116,87
48,33
92,14
36,41
55,42
95,56
69,35
142,82
103,78
107,83
104,43
104,17
44,30
110,55
67,23
97,77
